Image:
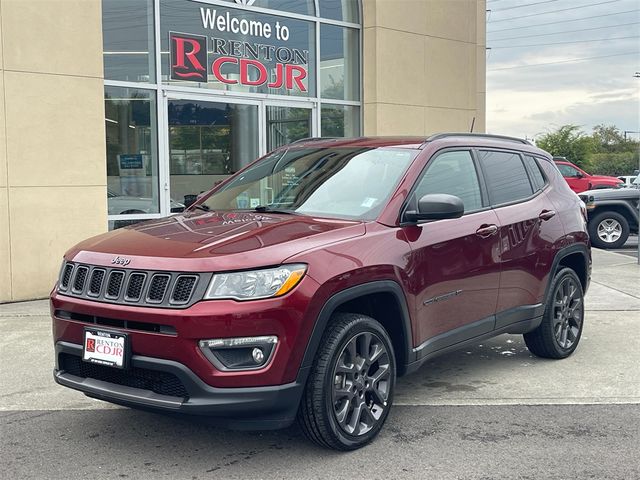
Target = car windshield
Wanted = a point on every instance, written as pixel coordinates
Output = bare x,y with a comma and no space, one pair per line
351,183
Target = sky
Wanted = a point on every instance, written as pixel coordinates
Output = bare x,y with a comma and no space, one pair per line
527,99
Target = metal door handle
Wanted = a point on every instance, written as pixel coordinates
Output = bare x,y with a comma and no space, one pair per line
487,230
546,214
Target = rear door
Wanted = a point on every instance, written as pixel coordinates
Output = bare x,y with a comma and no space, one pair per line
529,228
454,264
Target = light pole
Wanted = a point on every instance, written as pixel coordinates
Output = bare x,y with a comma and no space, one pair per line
637,75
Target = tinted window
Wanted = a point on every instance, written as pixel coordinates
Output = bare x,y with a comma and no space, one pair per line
506,176
534,170
453,173
567,170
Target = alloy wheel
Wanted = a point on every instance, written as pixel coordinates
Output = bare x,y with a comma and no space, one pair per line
361,385
568,310
609,230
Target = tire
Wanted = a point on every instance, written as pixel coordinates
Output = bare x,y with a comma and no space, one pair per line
559,333
361,403
608,230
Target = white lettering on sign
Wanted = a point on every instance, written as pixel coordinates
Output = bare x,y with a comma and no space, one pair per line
228,23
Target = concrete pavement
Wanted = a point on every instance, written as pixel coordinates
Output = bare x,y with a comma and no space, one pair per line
488,411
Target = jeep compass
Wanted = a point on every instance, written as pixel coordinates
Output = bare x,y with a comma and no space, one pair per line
304,285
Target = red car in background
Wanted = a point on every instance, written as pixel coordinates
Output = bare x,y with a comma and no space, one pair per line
580,181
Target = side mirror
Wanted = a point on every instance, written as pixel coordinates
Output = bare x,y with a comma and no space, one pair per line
579,174
436,206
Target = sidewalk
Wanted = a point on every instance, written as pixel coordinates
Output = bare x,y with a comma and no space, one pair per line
604,368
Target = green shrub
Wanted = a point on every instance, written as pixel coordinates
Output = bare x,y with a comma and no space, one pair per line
614,164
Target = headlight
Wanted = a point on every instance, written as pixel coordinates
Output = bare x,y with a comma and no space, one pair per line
270,282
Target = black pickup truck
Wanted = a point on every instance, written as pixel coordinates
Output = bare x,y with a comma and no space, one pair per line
613,215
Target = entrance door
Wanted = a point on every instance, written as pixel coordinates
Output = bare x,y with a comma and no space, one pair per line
286,124
207,141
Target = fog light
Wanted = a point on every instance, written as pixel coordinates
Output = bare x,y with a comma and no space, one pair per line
242,353
258,356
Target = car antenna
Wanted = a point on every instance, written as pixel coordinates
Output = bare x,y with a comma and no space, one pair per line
473,122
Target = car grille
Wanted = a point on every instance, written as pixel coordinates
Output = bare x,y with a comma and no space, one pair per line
162,383
122,286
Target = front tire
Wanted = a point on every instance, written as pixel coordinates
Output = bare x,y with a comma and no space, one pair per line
350,388
608,230
559,333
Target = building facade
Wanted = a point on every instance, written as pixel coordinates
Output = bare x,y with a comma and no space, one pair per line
117,111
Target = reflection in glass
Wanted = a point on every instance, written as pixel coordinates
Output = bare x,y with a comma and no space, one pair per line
317,181
132,155
340,121
127,29
345,10
339,63
286,125
207,142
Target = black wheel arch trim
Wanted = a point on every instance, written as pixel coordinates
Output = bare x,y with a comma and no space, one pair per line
351,293
563,253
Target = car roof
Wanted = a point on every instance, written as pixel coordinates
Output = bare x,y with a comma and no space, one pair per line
417,142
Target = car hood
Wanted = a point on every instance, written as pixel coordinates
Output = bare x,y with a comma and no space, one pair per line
605,178
611,194
214,241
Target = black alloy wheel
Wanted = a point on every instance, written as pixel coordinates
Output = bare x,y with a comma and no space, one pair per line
350,388
559,333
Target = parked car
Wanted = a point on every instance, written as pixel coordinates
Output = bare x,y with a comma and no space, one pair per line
125,204
580,181
312,305
613,215
630,181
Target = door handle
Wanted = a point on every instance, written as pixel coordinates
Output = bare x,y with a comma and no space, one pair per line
546,214
487,230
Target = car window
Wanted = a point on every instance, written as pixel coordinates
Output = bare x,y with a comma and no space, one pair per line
506,177
567,170
534,170
454,173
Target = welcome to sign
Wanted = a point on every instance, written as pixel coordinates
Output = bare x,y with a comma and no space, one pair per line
200,58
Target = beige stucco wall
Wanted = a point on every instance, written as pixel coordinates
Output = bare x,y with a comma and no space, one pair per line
52,153
423,66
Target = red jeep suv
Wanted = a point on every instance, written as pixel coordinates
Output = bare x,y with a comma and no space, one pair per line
580,181
305,284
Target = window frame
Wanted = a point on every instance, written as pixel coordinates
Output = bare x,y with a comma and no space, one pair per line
410,201
520,154
545,183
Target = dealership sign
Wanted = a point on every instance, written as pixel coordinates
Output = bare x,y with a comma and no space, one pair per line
264,60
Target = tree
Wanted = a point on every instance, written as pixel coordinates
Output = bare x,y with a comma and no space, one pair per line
568,141
608,139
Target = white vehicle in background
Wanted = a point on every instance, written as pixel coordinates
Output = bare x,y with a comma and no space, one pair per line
126,205
630,181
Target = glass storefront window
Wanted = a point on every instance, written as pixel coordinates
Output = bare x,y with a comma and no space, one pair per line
207,142
237,50
339,63
340,121
286,125
345,10
128,40
132,155
304,7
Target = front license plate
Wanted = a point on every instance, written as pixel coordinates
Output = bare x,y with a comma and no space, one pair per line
105,348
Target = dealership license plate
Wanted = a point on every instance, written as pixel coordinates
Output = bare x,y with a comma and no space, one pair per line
105,348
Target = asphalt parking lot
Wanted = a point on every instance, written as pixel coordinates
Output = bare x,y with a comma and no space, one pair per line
492,411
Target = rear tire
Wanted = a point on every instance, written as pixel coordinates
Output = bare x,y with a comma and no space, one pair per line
349,392
608,230
559,333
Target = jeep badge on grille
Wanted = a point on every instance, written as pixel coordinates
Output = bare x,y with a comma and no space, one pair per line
121,261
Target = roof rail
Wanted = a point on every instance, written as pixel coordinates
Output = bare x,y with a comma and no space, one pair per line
313,139
438,136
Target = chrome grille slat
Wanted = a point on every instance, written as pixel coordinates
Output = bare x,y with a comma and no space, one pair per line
118,285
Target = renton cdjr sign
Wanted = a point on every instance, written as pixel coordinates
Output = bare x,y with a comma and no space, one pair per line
251,63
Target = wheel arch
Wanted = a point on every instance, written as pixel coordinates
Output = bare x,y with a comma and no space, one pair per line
382,300
576,257
623,209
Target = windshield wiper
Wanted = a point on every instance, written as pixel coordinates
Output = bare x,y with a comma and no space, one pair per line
268,209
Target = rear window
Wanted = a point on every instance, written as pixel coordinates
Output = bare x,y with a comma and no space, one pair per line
506,176
534,171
